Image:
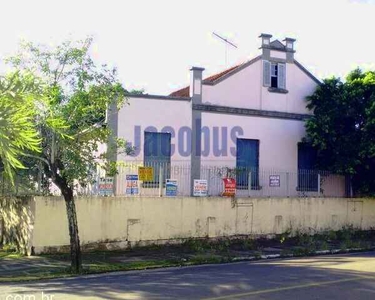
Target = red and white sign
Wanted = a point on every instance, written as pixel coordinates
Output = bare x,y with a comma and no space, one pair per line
229,187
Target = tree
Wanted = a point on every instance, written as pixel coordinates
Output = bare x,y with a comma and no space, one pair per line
343,127
17,131
71,119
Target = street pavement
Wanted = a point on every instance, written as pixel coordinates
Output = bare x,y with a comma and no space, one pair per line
350,276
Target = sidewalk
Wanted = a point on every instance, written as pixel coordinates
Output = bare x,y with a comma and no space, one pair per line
191,252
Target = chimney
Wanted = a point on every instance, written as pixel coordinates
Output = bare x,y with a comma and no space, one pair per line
266,39
289,47
289,43
196,84
196,125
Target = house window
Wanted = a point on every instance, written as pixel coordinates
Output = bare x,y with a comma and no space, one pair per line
247,164
157,154
274,75
307,173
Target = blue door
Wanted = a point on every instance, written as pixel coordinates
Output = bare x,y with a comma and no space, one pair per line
247,162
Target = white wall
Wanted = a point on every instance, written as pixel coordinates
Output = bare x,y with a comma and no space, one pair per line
242,89
278,139
146,112
245,89
117,221
299,86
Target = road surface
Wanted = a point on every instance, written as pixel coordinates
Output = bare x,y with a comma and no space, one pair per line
350,276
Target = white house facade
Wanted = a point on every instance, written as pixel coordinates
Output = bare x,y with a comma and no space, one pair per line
249,118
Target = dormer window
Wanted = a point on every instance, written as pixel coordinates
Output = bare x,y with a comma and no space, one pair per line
274,76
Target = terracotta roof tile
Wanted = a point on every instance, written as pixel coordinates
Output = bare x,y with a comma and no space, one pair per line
184,92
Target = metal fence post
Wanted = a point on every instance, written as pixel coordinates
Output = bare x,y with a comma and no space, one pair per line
318,184
287,185
249,184
208,181
161,181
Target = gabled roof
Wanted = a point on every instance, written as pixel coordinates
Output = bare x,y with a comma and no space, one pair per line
216,78
277,44
213,79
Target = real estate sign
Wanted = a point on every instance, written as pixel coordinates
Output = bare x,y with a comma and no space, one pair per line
200,188
274,180
229,187
171,187
146,173
132,185
106,186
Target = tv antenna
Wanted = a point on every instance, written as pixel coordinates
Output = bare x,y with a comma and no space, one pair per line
227,43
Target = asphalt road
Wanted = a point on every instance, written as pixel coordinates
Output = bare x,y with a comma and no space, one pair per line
323,277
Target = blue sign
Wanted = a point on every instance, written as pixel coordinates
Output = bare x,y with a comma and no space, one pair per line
132,185
171,188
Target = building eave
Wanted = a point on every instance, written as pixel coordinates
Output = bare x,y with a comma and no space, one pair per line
157,97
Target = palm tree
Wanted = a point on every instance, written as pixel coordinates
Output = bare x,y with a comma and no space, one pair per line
18,132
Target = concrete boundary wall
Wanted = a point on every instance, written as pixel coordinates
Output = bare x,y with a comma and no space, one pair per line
16,222
118,222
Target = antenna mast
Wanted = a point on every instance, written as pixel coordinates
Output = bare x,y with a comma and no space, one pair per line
226,45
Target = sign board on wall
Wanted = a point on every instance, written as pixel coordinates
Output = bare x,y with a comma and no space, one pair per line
132,185
146,173
171,187
106,186
274,180
200,188
229,187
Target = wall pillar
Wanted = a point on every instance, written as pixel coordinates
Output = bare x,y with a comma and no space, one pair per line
196,125
112,122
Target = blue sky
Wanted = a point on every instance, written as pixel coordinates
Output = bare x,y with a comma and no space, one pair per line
154,43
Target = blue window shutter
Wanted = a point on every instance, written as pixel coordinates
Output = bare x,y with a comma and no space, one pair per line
157,147
266,73
307,176
281,69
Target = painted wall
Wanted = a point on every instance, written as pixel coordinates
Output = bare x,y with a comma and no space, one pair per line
118,222
141,113
242,89
299,86
16,220
278,139
245,89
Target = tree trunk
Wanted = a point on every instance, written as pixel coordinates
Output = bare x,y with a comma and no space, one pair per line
75,247
2,232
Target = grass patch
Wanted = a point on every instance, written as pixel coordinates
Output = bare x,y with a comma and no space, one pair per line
4,253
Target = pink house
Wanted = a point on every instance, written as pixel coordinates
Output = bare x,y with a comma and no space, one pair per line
248,118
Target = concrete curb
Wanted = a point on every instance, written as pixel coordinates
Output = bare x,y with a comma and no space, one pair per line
315,253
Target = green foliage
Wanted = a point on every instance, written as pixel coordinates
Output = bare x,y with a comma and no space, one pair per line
284,236
17,111
71,119
197,245
343,127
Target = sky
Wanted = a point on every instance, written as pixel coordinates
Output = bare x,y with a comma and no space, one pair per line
153,44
